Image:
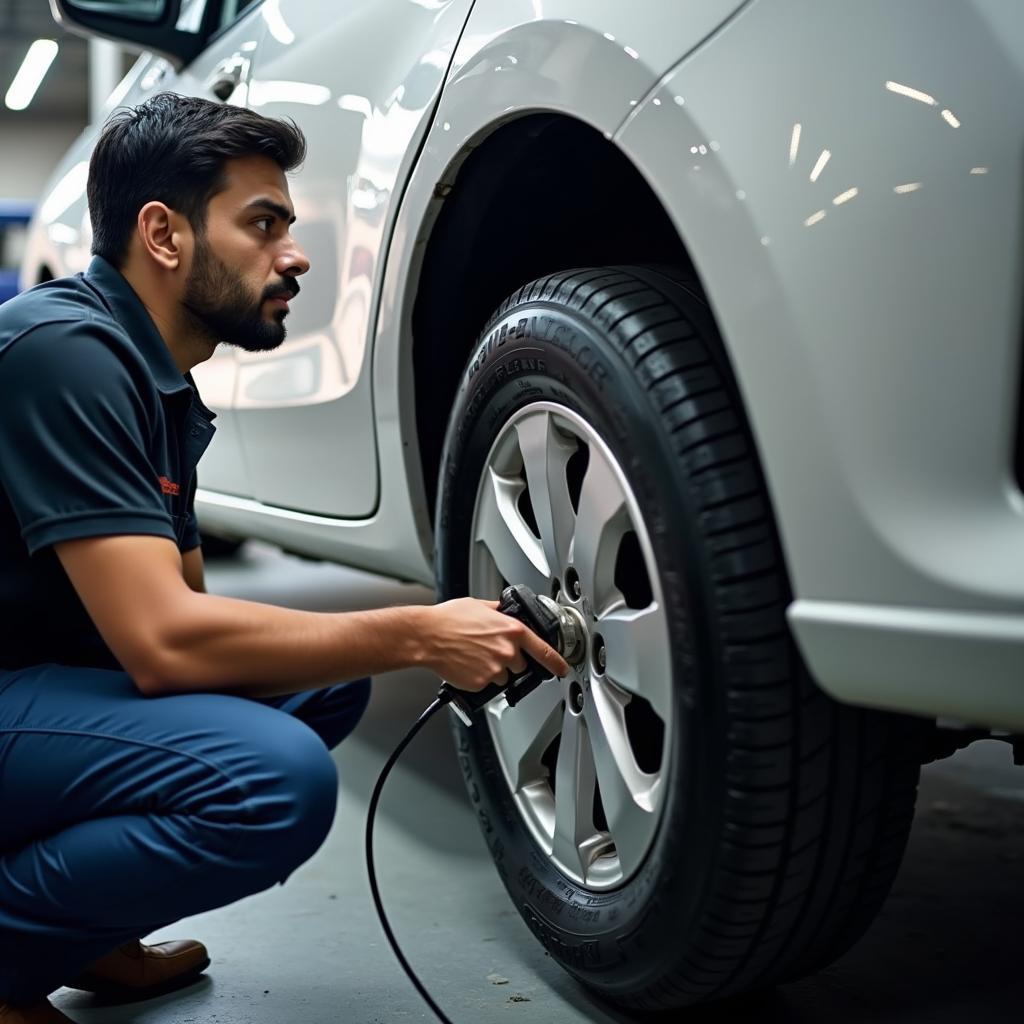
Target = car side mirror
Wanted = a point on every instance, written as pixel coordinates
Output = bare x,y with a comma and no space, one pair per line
154,25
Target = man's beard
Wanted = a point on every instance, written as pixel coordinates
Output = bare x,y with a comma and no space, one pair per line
222,307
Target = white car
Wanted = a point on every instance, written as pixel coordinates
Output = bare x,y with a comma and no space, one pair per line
701,316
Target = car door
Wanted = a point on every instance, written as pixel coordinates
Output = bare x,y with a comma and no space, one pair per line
221,73
361,78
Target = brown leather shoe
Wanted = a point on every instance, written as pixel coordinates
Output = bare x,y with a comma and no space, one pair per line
143,971
38,1013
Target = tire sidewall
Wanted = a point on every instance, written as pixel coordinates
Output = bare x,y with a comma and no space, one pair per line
536,351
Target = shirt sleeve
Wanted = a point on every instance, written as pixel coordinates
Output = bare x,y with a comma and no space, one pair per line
191,537
74,457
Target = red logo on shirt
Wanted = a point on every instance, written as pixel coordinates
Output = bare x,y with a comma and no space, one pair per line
168,486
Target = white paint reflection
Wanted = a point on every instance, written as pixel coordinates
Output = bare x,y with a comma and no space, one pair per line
356,104
307,93
814,218
820,165
979,170
276,25
910,186
308,373
794,144
69,189
911,94
950,118
845,197
62,234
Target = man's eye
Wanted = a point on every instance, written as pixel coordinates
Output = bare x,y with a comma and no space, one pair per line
265,221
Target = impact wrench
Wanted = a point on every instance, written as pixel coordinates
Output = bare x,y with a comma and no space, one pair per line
561,628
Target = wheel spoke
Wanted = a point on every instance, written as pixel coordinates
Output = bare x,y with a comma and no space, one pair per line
626,793
546,452
500,528
600,525
574,794
527,730
637,652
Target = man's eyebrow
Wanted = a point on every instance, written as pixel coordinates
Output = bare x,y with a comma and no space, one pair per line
277,208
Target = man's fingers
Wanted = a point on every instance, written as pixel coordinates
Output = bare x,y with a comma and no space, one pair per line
544,654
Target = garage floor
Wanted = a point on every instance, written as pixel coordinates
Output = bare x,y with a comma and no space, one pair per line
946,949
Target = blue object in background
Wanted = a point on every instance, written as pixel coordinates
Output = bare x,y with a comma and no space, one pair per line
14,217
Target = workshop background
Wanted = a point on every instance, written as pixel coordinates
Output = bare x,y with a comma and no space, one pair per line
945,949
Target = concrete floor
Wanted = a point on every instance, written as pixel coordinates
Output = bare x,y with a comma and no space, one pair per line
945,949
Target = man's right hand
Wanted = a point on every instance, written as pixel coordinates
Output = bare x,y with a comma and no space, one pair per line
469,644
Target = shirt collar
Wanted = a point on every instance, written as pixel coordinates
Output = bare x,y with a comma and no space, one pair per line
127,308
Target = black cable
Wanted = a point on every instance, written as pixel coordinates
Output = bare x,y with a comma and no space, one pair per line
370,815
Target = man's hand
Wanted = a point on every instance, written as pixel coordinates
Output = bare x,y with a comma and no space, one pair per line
469,644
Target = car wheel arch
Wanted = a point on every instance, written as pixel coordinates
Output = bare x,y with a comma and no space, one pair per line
497,222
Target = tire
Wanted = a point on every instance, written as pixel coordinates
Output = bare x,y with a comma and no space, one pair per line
778,817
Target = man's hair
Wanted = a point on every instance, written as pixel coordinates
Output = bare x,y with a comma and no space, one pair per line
173,149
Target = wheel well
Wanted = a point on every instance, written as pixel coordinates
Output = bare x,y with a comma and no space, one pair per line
541,194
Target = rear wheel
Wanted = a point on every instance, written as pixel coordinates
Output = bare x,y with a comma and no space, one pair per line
687,816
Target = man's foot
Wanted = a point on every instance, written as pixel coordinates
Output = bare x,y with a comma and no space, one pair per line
37,1013
143,971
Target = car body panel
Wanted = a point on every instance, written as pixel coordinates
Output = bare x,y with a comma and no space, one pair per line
864,271
870,302
557,66
363,129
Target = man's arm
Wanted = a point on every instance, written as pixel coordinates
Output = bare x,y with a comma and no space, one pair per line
171,639
192,570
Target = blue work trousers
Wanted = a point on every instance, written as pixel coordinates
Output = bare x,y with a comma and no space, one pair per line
120,814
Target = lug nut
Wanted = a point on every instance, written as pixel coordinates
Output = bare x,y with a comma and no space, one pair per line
600,654
576,698
576,588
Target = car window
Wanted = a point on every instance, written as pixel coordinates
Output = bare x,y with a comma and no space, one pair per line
136,10
233,9
190,19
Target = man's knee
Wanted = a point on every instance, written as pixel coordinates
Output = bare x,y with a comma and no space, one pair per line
291,787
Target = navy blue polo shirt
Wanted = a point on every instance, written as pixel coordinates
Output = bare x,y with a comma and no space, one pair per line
100,434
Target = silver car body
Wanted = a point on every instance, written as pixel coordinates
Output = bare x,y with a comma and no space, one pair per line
846,178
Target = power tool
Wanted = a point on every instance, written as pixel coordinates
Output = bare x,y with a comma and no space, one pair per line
558,626
561,628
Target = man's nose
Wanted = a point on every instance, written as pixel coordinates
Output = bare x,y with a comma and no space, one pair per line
292,262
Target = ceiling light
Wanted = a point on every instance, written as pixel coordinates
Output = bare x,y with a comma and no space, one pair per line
32,71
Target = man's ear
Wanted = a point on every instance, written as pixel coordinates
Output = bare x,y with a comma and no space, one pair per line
161,233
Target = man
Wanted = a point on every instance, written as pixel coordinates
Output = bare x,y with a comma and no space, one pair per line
163,751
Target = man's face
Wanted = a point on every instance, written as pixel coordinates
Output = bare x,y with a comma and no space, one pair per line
245,263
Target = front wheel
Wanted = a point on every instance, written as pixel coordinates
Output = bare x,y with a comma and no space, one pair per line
686,816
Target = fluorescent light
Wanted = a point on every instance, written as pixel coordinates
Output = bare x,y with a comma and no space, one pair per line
844,197
814,218
31,73
912,94
911,186
950,118
979,170
820,165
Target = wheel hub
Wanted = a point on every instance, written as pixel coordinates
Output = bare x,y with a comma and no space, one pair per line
585,760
